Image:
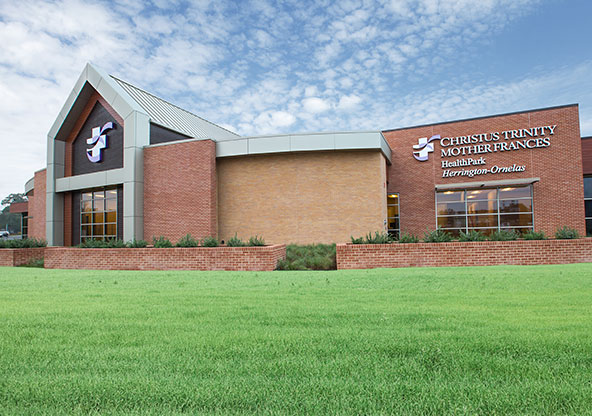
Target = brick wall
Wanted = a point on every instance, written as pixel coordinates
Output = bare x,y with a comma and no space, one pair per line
194,258
313,197
557,197
17,256
37,207
486,253
180,190
587,155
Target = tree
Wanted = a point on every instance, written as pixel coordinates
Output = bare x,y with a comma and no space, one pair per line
10,221
14,198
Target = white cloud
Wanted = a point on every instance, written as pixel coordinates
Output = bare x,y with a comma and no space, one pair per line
315,105
349,102
337,65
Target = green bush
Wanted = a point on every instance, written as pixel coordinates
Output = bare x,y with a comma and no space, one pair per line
161,242
533,235
23,243
379,237
437,236
187,241
235,242
113,243
92,243
566,233
472,235
309,257
256,241
210,242
503,235
405,238
137,243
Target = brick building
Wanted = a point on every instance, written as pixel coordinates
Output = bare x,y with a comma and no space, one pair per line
122,163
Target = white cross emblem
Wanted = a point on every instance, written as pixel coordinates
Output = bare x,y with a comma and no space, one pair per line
100,142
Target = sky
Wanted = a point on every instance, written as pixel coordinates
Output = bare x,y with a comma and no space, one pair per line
264,67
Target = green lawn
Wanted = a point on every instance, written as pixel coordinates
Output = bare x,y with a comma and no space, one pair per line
491,340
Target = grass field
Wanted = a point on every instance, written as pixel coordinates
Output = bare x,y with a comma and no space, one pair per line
495,340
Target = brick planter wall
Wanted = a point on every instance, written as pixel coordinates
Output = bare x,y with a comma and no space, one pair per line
17,256
194,258
485,253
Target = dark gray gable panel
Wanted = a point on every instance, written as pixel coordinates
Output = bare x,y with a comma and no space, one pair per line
112,156
160,134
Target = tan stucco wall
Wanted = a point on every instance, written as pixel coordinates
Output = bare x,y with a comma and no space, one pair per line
320,197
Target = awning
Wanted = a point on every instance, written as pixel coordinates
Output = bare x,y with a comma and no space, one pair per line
487,184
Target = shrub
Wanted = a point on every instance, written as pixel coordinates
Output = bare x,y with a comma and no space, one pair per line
92,243
210,242
533,235
161,242
23,243
566,233
503,235
113,243
235,242
137,243
472,235
437,236
309,257
187,241
405,238
256,241
378,238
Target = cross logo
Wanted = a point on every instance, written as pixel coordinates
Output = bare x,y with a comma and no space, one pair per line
99,140
424,147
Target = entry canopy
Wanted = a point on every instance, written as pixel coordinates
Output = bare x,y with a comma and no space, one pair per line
472,185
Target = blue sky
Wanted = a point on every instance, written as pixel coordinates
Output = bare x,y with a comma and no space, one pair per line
262,67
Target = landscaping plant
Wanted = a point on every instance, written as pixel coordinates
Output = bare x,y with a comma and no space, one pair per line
472,235
161,242
187,241
566,233
405,238
533,235
437,236
504,235
235,242
256,241
210,242
309,257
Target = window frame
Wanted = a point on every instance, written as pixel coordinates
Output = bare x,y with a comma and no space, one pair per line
109,194
395,232
498,213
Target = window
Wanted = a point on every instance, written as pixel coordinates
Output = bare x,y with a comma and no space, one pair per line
486,210
392,206
25,226
588,204
98,214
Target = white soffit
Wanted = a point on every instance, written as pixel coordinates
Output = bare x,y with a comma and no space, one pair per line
313,142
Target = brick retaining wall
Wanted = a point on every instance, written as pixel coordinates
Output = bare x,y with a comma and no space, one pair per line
18,256
194,258
485,253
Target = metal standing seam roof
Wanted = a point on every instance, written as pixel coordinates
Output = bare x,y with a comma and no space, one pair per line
175,118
